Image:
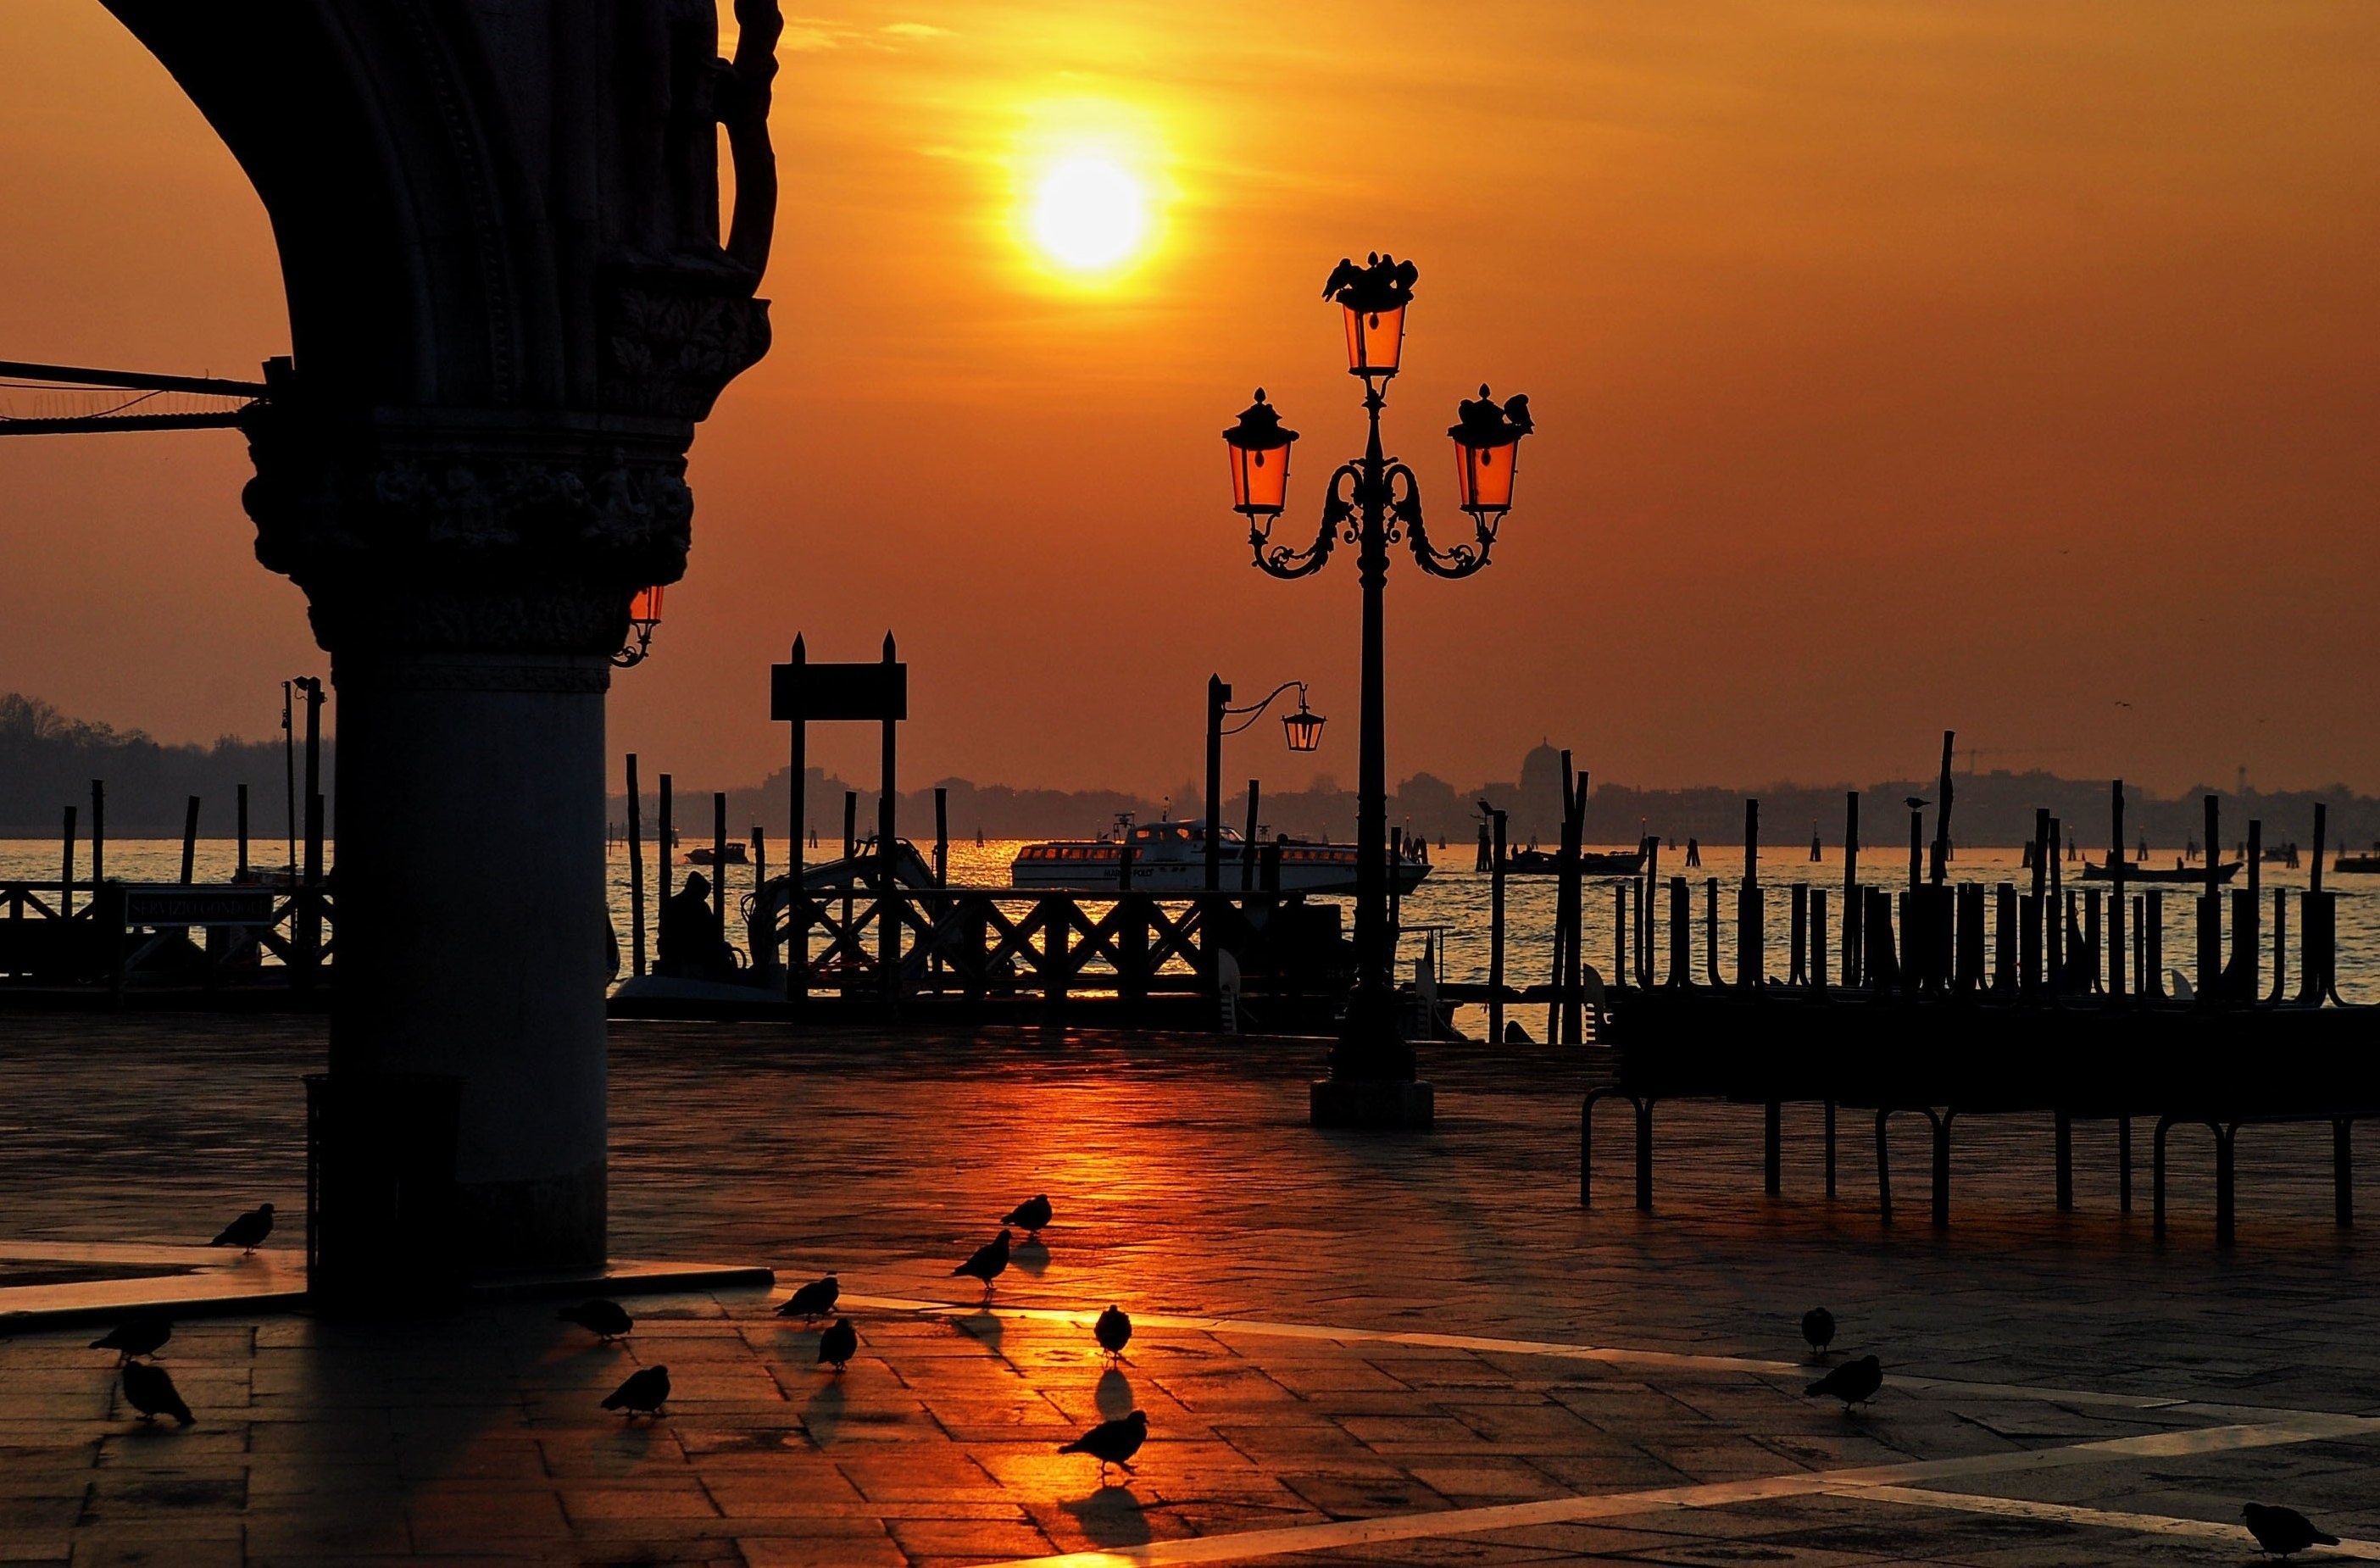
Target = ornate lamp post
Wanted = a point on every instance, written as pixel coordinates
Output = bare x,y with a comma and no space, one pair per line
1303,729
1372,504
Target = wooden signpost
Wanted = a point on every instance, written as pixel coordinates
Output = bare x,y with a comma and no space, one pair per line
802,693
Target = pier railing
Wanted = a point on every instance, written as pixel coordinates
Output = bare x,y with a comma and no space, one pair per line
124,935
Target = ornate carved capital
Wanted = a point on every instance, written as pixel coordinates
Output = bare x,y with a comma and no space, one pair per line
468,538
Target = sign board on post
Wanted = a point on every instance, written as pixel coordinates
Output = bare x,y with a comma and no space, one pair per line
174,904
801,693
814,693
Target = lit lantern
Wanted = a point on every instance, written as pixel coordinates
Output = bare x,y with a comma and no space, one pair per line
1258,447
1304,727
644,615
1373,297
1486,450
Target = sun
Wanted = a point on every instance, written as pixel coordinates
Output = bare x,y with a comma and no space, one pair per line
1088,214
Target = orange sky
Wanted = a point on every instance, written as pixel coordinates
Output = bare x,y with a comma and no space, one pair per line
1896,367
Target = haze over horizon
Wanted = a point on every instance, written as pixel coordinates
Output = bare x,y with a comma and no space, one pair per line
2005,368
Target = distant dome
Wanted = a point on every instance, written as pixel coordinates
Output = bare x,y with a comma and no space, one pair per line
1541,771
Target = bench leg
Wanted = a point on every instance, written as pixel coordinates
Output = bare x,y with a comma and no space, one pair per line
2065,1139
1941,1169
1830,1150
1772,1157
2156,1177
1645,1154
1883,1170
2342,1171
2225,1210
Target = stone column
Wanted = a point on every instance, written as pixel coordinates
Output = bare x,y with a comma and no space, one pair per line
511,300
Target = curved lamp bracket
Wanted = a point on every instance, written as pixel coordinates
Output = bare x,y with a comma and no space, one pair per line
1462,560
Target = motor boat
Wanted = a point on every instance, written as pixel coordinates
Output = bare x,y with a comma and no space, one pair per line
1171,856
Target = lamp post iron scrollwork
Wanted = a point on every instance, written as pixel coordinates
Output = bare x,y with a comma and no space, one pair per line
1302,729
1373,502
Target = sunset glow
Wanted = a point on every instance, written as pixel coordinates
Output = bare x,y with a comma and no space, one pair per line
1090,215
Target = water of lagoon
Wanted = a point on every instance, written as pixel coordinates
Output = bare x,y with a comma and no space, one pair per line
1453,899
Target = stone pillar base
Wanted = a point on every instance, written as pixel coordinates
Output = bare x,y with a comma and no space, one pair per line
1392,1106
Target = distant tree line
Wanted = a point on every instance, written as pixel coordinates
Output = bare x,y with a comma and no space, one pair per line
47,761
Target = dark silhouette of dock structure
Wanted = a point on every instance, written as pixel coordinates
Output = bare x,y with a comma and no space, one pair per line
1953,1001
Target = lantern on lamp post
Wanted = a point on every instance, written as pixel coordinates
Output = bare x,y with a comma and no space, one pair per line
1303,730
644,615
1260,453
1373,502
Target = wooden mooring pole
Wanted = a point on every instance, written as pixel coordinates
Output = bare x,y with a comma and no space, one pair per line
1496,930
635,873
98,833
189,846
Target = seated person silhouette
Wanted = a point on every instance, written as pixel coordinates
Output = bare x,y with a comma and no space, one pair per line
690,945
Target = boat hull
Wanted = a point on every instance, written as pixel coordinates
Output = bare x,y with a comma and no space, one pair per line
1190,875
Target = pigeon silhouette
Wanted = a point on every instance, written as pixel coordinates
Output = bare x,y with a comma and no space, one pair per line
838,1345
604,1319
1031,1214
149,1388
1113,1331
1853,1382
1112,1443
643,1394
1516,412
247,1231
2283,1531
135,1337
1818,1329
1345,273
813,1301
1915,803
987,1262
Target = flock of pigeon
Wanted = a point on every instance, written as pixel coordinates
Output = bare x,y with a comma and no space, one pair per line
149,1388
1110,1443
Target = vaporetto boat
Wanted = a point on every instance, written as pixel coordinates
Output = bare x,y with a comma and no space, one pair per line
1171,856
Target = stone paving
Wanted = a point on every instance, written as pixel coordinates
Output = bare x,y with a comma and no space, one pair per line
1406,1349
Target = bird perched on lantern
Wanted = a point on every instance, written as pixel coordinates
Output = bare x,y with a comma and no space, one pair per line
1382,284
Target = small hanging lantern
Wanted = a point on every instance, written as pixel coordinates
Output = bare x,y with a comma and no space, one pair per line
1304,727
1258,448
1373,297
1487,447
644,615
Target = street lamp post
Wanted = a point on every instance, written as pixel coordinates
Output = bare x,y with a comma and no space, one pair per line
1303,730
1372,504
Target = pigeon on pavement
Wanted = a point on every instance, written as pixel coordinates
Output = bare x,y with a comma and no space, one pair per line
604,1319
1031,1214
813,1301
987,1263
248,1231
1818,1329
1112,1443
1853,1382
1113,1331
838,1345
2283,1531
135,1337
643,1394
149,1389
